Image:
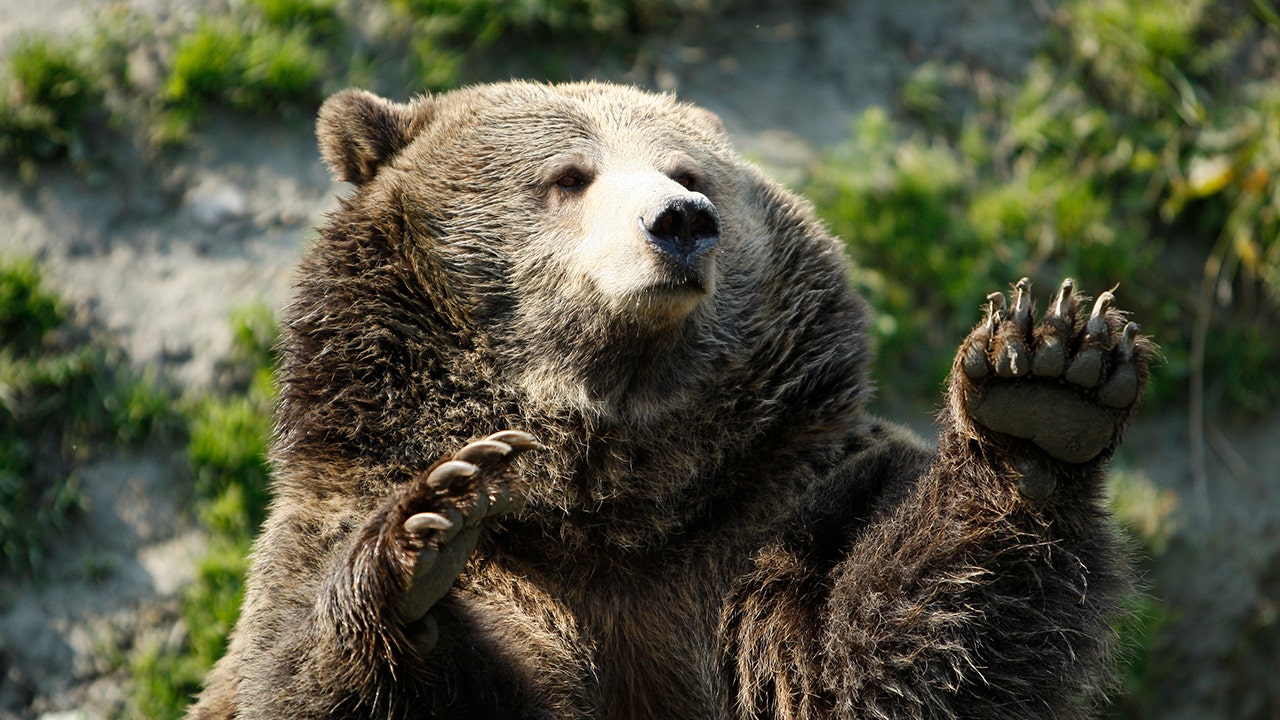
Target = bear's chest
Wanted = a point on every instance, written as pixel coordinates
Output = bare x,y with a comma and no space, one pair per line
633,644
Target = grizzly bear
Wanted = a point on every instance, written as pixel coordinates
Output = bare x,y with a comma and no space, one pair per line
573,424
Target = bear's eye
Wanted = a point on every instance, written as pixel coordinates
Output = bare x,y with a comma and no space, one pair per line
687,180
571,179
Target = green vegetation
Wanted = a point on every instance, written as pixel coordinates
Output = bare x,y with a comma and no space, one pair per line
450,35
45,97
258,72
269,57
1144,132
227,449
60,396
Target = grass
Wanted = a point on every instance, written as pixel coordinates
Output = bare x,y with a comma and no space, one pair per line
46,94
227,450
273,57
61,396
259,68
450,36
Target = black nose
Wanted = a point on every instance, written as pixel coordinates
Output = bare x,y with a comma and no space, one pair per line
684,228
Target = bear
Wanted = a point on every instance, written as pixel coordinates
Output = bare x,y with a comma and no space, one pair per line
574,423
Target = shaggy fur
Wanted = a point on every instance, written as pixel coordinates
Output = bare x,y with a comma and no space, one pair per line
714,526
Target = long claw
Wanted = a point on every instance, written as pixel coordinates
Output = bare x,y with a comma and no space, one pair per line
1050,358
1021,314
447,472
995,312
1128,340
483,452
519,441
1097,326
1063,306
424,522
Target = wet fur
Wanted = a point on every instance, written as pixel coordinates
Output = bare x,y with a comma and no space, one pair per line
716,527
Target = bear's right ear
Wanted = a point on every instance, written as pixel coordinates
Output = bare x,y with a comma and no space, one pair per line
359,131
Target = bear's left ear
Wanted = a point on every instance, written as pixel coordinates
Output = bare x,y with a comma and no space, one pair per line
359,131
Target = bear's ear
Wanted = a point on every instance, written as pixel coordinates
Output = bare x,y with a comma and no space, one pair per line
710,119
359,131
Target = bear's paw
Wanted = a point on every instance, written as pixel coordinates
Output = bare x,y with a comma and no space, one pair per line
465,489
1067,384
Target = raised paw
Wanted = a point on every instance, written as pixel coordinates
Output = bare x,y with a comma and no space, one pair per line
1067,384
464,490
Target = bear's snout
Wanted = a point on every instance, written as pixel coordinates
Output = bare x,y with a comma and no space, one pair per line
683,228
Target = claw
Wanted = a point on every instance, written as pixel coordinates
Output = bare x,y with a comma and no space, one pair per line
1086,369
519,441
1051,354
483,452
424,522
446,472
1063,306
1128,340
995,311
1121,389
1021,315
1097,326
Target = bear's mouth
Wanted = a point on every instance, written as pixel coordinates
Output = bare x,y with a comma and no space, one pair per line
675,293
689,281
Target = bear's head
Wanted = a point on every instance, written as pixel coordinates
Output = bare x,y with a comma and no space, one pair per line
585,228
611,185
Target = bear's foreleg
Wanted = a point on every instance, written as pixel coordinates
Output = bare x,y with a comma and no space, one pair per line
987,586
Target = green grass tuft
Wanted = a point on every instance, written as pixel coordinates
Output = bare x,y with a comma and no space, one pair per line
45,96
260,71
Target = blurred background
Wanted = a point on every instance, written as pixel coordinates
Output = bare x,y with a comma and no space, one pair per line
159,178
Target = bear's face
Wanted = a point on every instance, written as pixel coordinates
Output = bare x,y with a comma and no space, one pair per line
638,230
587,227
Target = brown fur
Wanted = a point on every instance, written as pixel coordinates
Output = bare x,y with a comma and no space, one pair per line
715,527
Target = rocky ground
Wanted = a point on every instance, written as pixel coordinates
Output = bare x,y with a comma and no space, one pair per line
158,257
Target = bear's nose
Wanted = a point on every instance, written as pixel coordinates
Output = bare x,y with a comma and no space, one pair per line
684,228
